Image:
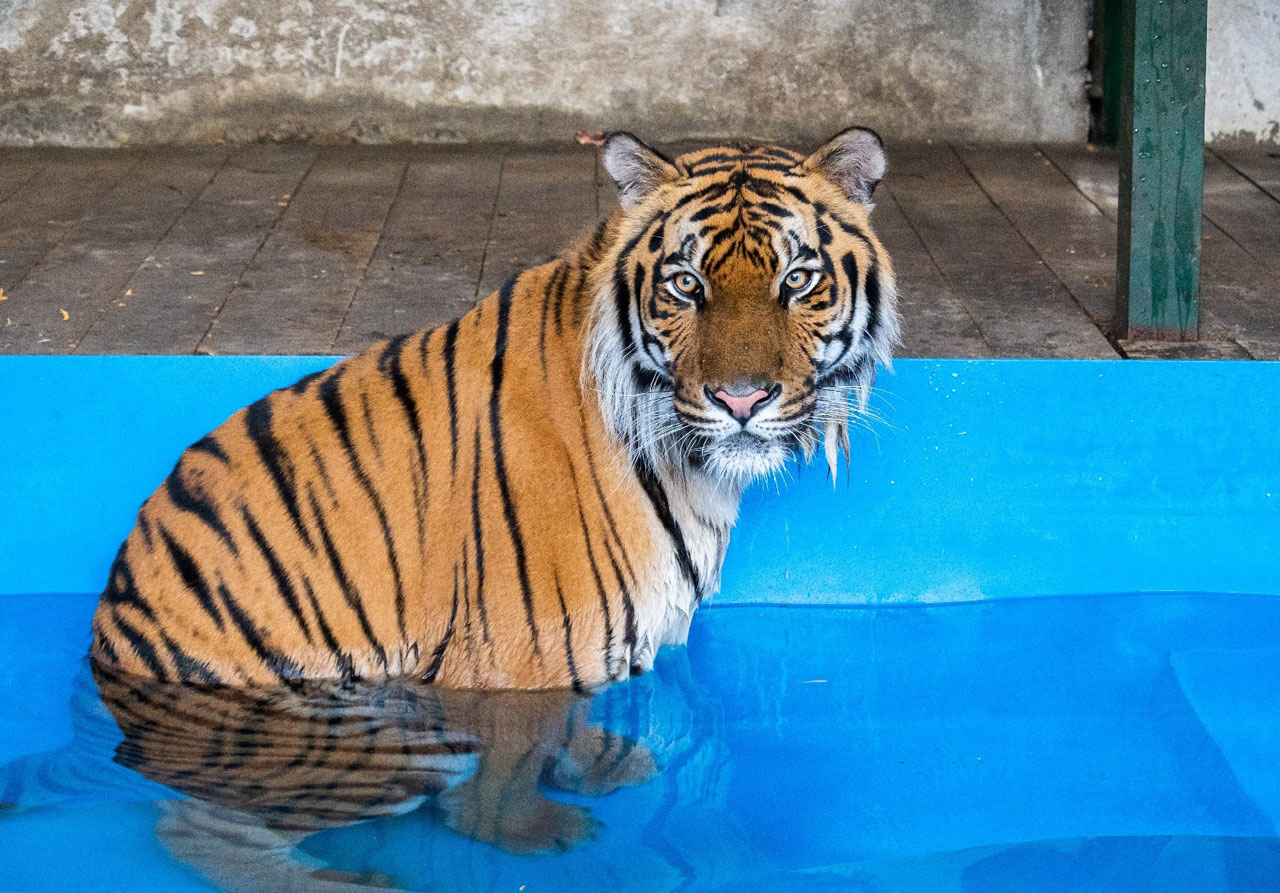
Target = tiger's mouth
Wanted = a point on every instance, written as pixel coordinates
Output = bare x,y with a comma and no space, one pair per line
721,440
744,455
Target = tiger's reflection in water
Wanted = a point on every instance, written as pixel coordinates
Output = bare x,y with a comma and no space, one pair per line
267,767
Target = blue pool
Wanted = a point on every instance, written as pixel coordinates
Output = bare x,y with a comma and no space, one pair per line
1032,641
1107,743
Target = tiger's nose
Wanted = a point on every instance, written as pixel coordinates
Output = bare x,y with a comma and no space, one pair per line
743,399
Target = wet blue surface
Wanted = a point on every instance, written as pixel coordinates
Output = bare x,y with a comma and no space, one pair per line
1086,743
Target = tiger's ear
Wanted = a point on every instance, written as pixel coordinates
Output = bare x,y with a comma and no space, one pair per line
635,168
853,159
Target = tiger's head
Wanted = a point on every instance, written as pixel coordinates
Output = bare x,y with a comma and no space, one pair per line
741,302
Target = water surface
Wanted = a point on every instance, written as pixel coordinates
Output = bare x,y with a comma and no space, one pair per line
1089,743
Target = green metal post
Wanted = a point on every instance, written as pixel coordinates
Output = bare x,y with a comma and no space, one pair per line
1161,149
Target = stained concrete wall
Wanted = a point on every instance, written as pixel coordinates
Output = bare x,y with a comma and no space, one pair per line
108,72
1242,81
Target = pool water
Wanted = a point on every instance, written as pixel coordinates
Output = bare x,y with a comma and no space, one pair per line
1125,742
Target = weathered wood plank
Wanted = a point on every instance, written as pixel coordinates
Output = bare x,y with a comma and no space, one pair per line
1238,293
60,298
37,216
1092,169
1184,350
1261,164
1065,229
1019,305
934,322
17,168
427,266
74,231
295,293
170,301
547,199
1244,212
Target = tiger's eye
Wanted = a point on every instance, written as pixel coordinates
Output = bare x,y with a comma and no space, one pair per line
797,279
686,283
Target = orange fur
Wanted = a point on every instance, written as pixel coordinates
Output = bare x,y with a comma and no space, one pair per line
459,505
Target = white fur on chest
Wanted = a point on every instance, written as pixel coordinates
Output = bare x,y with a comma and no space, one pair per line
705,511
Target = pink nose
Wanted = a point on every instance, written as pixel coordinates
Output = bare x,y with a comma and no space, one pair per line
741,407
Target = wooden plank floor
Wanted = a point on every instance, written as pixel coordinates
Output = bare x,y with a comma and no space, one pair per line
1000,250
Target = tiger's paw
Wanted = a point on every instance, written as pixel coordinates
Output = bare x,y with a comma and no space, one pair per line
526,828
597,762
552,828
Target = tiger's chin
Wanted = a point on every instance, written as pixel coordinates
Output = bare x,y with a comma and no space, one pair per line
744,456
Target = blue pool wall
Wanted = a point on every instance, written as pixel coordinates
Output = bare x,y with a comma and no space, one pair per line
985,479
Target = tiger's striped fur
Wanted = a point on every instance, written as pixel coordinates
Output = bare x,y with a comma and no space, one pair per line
540,493
298,759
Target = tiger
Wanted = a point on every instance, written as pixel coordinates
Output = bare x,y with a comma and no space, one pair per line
540,493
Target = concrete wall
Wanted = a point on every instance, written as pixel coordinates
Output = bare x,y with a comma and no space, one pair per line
109,72
106,72
1242,81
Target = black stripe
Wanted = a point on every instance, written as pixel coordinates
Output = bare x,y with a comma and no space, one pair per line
449,355
852,229
628,609
604,596
189,668
278,573
370,428
604,504
773,210
332,401
343,659
184,500
284,669
258,426
707,211
477,533
466,601
499,459
301,385
191,576
142,648
752,164
548,290
122,589
849,264
873,298
621,291
437,656
622,305
348,589
106,649
210,446
658,497
561,290
568,641
394,355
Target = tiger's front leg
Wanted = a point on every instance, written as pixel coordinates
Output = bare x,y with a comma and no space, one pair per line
534,738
